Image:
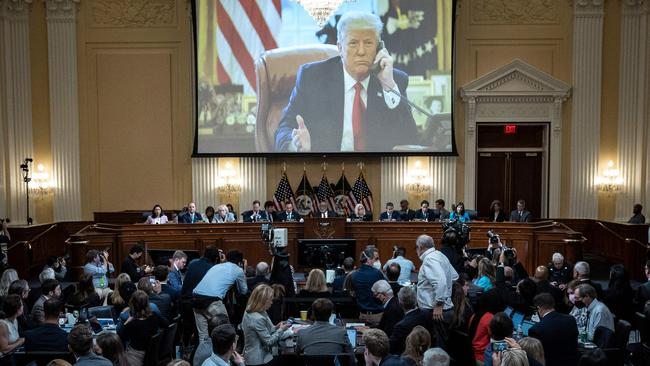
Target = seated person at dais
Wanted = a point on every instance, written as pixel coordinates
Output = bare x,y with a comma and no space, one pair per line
360,214
157,216
289,214
390,214
255,214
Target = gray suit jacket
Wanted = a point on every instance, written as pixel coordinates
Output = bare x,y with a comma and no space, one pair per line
260,335
92,359
38,314
323,338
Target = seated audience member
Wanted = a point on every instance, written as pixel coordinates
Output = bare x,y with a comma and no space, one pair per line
190,216
509,258
416,344
596,357
315,286
526,289
496,212
510,357
435,357
520,214
138,329
462,308
558,332
224,343
271,214
204,349
261,276
534,351
392,275
260,335
49,289
618,294
161,273
341,277
637,216
560,271
544,286
255,214
147,287
424,214
12,307
362,281
48,337
581,273
175,278
377,351
643,291
98,266
21,288
131,267
486,275
86,294
8,277
223,215
479,330
58,265
589,312
289,214
116,299
393,312
412,318
322,338
406,214
80,343
406,266
360,214
209,217
109,345
390,214
157,216
500,328
459,214
440,211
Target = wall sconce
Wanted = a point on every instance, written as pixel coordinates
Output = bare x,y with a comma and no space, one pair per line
228,184
610,181
40,184
418,181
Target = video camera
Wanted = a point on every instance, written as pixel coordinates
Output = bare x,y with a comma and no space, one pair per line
494,237
460,228
274,238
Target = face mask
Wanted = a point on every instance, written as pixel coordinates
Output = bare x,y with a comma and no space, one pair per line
377,265
579,304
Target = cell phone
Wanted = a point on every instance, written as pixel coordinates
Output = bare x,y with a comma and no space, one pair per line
375,68
499,346
152,280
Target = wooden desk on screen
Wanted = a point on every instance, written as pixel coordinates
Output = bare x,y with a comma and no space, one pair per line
535,242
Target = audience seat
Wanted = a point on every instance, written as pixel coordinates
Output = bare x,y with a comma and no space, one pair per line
152,354
644,327
603,337
167,344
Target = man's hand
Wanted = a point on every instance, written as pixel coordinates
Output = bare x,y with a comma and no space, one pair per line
300,137
496,359
437,313
237,358
385,74
512,343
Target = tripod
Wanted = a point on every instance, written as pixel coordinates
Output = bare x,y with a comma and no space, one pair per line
27,178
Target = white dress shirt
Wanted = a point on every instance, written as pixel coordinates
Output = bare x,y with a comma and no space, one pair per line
435,280
392,100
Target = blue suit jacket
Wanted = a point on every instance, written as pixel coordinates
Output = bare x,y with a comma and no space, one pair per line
318,97
393,216
175,280
185,218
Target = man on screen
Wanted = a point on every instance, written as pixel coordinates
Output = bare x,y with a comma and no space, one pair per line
350,102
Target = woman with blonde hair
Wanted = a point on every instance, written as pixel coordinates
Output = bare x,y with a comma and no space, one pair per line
510,357
10,275
486,276
360,214
116,299
417,342
260,334
316,286
534,349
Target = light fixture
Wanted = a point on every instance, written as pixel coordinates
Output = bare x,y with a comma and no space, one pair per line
610,181
40,184
228,183
321,10
418,181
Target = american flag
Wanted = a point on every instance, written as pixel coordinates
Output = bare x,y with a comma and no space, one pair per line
283,193
325,193
360,193
245,29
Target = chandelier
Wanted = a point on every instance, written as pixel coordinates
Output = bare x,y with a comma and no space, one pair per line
418,180
610,181
321,10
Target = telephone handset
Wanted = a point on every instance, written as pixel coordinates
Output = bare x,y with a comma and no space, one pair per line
376,68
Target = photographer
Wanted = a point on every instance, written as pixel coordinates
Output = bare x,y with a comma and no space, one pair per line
98,266
453,251
58,265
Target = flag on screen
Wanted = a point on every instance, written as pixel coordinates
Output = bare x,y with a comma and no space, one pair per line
245,29
360,193
325,193
305,197
341,191
283,193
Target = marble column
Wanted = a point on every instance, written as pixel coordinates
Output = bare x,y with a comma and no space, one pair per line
585,116
394,170
633,117
17,95
205,174
64,107
253,177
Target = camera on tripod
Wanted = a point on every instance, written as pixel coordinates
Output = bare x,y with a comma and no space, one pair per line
460,228
275,238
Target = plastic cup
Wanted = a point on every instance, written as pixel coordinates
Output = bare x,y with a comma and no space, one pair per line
303,315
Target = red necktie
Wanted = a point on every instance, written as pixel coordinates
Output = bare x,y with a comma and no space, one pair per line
358,109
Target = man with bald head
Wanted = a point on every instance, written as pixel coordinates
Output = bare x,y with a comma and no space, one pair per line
544,286
261,276
191,216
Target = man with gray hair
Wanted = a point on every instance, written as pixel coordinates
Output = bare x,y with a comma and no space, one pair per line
435,280
435,357
589,312
412,317
261,276
581,273
351,102
393,312
560,272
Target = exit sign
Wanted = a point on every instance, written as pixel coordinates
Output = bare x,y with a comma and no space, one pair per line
510,129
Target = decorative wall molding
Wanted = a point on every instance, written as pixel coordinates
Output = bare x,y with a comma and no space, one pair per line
133,13
64,108
443,171
394,170
205,172
500,96
585,114
253,176
515,12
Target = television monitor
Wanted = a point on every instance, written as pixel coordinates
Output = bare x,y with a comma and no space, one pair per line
325,253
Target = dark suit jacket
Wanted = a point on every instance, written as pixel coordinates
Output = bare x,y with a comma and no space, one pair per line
441,214
329,214
425,216
295,216
323,338
393,360
558,296
366,217
559,336
46,338
642,295
392,314
248,216
393,216
404,327
164,303
525,216
185,218
318,97
408,215
254,281
501,217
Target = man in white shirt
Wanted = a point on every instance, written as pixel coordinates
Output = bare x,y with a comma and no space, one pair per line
435,280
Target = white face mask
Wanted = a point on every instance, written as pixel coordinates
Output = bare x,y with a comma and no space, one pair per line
377,264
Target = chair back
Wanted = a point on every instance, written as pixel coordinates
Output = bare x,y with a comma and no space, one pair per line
276,72
644,327
622,334
603,337
167,344
152,354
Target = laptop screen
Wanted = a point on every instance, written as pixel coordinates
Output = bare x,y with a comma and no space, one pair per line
517,318
525,326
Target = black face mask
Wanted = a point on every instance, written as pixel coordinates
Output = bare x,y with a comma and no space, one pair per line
579,304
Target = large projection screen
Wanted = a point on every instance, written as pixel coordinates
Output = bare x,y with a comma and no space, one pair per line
307,101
